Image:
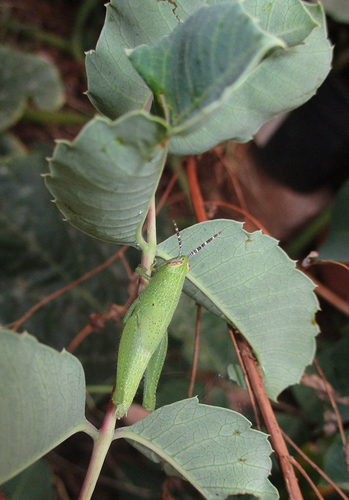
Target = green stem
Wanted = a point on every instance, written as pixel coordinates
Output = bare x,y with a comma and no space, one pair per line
83,13
100,450
306,236
54,118
40,35
174,163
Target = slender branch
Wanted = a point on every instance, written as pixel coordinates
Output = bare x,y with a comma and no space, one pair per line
71,285
100,450
250,364
315,467
234,179
307,236
196,352
240,210
331,297
174,163
307,478
80,337
83,13
194,188
54,117
40,35
247,382
269,418
169,188
325,261
333,402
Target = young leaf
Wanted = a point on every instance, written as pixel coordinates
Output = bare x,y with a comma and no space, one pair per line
24,77
202,61
105,179
42,395
248,280
213,448
281,83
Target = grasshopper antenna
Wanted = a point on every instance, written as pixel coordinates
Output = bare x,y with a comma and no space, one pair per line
203,245
179,238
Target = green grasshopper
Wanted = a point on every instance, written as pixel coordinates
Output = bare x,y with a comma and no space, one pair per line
143,343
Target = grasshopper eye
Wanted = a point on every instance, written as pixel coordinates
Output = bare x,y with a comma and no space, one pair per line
175,262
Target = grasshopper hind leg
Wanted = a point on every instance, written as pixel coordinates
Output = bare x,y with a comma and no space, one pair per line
152,374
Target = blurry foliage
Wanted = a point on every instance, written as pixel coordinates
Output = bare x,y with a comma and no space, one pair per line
34,483
39,254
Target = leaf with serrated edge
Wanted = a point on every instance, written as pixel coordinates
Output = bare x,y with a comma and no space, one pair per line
248,280
213,448
202,61
105,179
42,395
280,83
127,25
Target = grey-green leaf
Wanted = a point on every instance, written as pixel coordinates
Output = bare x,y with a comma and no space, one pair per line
248,280
337,9
189,437
42,396
282,82
202,61
127,25
105,179
24,77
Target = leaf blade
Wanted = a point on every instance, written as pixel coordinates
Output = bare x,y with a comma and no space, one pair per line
190,437
43,395
248,280
278,85
105,179
282,84
202,60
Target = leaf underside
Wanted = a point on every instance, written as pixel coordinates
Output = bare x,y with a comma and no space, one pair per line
43,400
213,448
103,181
281,82
248,280
201,61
